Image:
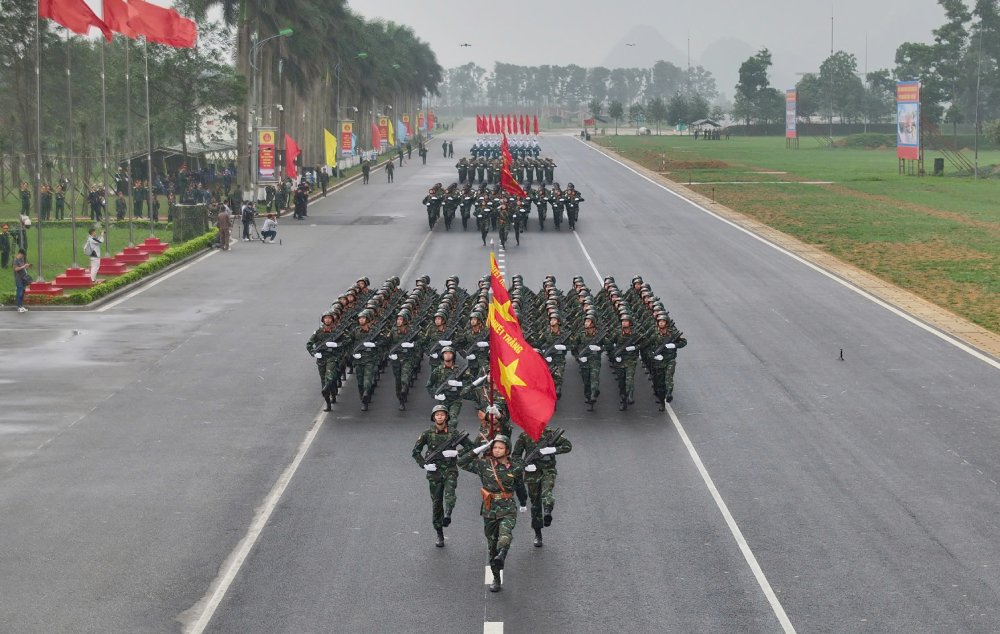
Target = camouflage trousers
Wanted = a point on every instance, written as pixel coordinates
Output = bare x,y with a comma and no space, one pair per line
402,370
590,372
454,409
329,372
625,375
442,486
663,378
557,369
365,373
499,532
540,486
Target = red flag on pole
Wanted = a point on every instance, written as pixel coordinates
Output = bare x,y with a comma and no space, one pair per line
536,125
516,369
292,152
496,124
479,125
376,137
507,181
75,15
116,16
520,121
160,25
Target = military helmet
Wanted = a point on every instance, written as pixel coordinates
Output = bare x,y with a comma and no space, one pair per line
502,438
367,314
363,279
329,314
439,408
637,280
447,349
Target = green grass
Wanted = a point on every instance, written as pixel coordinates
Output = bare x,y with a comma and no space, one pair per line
938,237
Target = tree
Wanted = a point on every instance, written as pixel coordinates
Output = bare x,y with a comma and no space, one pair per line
677,110
616,111
656,111
842,90
636,114
751,91
595,107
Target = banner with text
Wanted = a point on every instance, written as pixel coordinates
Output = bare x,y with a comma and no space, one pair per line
791,114
346,137
266,167
383,130
908,120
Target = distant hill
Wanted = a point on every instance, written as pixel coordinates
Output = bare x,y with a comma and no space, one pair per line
723,58
650,47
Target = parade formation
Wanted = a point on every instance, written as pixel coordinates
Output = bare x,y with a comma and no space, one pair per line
365,330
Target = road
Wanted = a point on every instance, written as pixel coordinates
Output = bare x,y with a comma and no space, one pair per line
786,488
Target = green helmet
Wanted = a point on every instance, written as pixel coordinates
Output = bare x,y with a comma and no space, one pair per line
502,438
439,408
447,349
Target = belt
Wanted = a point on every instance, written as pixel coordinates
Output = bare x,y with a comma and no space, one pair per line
502,496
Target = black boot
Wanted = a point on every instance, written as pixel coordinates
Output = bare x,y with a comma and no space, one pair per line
590,406
546,516
440,540
623,405
631,399
538,538
326,397
402,405
500,557
660,406
446,521
496,585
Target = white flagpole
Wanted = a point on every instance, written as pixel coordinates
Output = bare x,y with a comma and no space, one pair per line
104,156
69,125
38,141
130,182
149,146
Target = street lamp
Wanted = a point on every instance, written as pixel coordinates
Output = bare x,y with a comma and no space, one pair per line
255,111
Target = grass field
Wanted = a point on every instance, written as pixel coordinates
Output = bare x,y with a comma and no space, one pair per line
938,237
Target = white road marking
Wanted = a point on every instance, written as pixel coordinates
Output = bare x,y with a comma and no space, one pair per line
162,278
493,627
416,257
748,555
860,291
217,590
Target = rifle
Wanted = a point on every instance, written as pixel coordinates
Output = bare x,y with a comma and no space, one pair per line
451,443
415,333
453,376
332,337
634,341
535,454
601,334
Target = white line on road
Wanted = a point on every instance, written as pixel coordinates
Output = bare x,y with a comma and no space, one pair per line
493,627
860,291
748,555
231,567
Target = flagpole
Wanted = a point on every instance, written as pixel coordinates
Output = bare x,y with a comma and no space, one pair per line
38,139
129,182
104,156
72,180
149,145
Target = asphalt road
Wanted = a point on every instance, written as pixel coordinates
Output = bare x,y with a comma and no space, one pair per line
138,445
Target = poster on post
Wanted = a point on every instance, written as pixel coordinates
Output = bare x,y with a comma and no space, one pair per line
908,120
791,114
346,137
266,158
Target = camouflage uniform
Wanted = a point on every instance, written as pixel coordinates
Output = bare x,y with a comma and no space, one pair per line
623,361
541,482
589,361
442,482
404,359
555,358
663,361
367,357
436,385
325,343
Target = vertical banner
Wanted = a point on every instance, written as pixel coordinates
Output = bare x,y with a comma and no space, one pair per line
383,130
346,137
430,120
266,168
791,114
409,129
420,121
908,120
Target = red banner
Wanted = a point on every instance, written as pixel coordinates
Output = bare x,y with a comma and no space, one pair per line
266,166
292,152
409,128
383,129
75,15
420,121
536,125
347,136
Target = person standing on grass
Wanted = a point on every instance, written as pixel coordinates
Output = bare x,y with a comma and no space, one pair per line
21,278
92,249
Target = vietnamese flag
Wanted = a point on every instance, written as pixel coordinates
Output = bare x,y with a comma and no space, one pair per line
536,125
161,25
496,124
376,137
519,372
292,152
507,181
75,15
116,16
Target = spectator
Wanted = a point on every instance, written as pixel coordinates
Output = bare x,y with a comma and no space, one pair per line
246,215
225,225
21,278
5,245
92,249
269,231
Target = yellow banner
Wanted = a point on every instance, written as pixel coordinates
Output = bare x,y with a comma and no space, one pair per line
330,144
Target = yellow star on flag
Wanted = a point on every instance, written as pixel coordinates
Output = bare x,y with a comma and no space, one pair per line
508,376
503,310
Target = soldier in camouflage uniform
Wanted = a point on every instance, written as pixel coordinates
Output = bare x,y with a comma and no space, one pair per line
325,362
442,474
367,357
501,480
541,481
449,382
493,420
552,345
587,350
404,356
661,350
623,355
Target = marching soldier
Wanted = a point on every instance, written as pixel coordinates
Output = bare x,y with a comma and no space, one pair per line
404,356
541,482
321,346
448,381
493,420
661,350
442,472
501,480
552,346
622,357
587,350
367,357
472,341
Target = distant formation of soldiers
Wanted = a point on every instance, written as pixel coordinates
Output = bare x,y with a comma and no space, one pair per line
526,171
519,148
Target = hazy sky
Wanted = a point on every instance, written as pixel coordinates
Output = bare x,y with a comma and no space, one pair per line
586,32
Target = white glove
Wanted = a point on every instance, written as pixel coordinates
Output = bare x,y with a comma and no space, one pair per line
538,351
444,342
393,356
450,453
582,359
659,357
331,344
493,409
434,355
594,348
670,346
560,347
369,344
439,397
531,468
548,359
471,357
547,451
318,355
522,509
431,467
356,355
618,359
481,449
406,344
483,344
454,383
630,348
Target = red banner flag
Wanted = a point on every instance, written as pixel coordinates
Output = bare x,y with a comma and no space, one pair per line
116,16
75,15
507,181
479,125
505,151
496,124
292,152
160,25
517,371
536,125
376,136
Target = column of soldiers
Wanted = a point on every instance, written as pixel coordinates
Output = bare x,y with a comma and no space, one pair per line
526,171
490,148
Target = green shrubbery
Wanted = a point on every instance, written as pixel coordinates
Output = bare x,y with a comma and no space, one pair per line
868,140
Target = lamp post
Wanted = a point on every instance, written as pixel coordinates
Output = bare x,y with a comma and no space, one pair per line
254,118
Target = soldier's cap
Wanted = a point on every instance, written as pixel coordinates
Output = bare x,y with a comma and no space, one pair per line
363,279
440,313
329,314
394,280
405,314
501,438
447,349
662,317
439,408
367,314
475,315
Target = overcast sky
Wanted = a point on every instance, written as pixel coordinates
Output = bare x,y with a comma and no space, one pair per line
588,32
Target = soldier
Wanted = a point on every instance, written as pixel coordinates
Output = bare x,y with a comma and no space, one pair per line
442,473
503,223
558,201
321,345
138,199
432,201
404,356
471,342
96,201
493,420
448,382
573,200
451,150
366,170
501,480
661,350
60,201
444,148
541,482
467,197
25,199
552,345
623,354
46,198
587,350
463,169
366,357
390,171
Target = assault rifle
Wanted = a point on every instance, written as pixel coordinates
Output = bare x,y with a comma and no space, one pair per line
634,341
536,454
451,443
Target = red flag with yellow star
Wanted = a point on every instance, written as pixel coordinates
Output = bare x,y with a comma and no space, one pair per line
517,371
